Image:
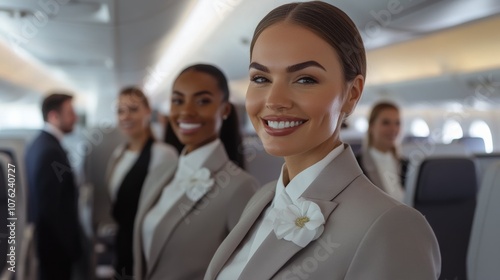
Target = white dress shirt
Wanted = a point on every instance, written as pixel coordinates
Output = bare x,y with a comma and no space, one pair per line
121,169
51,129
388,170
282,198
172,192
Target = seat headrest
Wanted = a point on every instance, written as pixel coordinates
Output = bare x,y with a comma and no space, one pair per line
446,179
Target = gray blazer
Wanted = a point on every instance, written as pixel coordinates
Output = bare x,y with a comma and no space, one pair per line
370,168
367,234
367,164
190,233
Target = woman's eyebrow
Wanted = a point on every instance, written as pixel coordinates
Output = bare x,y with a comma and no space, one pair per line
289,69
198,93
259,67
302,65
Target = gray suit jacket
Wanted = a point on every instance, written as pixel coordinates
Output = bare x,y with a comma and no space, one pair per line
367,235
370,169
367,164
190,233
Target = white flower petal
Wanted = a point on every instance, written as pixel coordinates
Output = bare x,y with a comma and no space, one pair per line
301,237
288,216
296,211
283,230
198,184
300,223
312,225
305,206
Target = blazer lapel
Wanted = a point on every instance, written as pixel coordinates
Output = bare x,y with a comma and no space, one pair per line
214,162
150,193
334,179
166,227
280,249
251,214
114,160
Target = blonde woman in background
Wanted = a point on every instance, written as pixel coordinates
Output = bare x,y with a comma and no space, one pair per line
128,168
380,158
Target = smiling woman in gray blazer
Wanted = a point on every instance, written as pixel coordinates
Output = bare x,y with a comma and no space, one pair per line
322,219
379,158
187,209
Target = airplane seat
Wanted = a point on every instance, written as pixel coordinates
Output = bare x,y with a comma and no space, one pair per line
484,249
95,165
483,161
28,261
4,160
96,198
415,139
427,149
417,152
263,166
446,195
12,151
472,144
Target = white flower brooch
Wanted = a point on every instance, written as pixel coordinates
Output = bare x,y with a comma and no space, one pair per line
198,184
300,222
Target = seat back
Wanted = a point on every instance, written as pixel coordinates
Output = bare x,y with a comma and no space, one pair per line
12,152
472,144
483,161
483,259
446,195
4,232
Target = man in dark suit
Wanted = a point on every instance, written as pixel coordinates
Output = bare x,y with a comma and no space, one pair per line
53,206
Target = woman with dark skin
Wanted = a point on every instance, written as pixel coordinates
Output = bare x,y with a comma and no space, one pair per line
191,206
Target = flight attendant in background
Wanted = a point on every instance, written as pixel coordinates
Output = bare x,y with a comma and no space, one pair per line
188,208
380,158
128,168
322,219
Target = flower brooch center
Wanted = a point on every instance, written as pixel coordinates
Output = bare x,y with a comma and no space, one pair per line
301,221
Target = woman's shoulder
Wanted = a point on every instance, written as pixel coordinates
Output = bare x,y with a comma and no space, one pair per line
164,149
377,222
163,157
118,150
235,175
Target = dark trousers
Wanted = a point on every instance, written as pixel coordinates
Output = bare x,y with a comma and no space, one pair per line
124,259
53,262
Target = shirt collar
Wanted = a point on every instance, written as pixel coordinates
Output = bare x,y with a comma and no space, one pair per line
53,130
379,154
195,159
299,184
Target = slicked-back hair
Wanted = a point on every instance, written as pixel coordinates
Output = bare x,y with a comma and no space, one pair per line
135,92
230,133
331,24
374,114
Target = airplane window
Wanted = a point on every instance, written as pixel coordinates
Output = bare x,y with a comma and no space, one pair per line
361,125
419,128
21,116
481,129
451,130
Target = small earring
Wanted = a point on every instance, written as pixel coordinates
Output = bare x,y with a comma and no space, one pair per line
224,117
